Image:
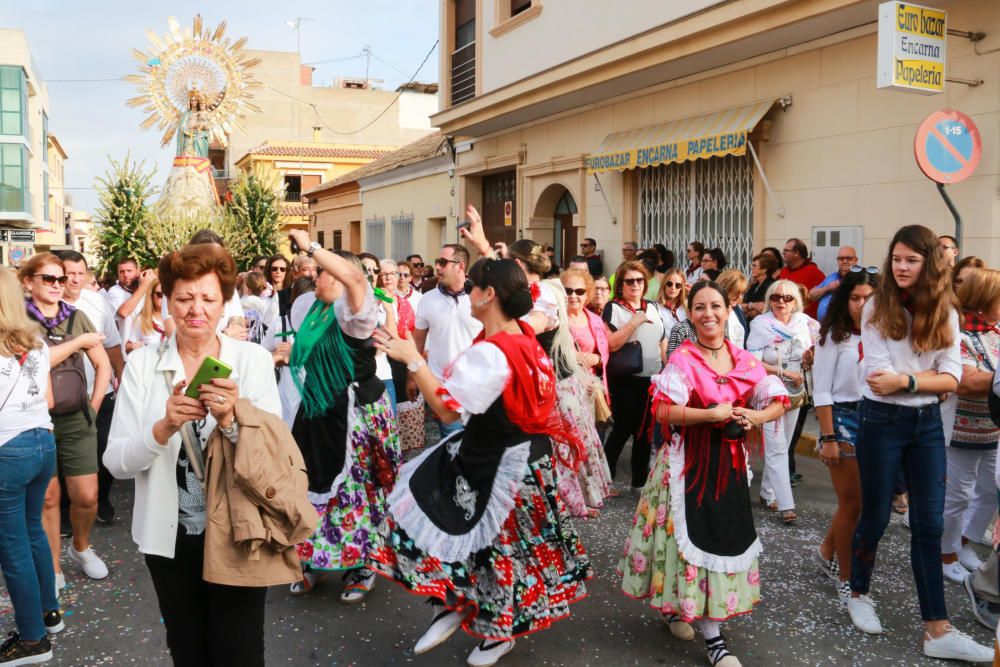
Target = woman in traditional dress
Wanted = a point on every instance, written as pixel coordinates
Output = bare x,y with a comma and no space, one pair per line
475,523
344,424
779,338
692,550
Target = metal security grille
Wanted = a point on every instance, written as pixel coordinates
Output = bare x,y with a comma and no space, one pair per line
375,236
498,189
702,200
402,235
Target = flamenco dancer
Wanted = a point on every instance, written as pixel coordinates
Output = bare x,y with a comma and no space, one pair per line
693,549
475,523
344,425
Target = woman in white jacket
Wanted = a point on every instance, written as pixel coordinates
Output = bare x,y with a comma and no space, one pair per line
206,623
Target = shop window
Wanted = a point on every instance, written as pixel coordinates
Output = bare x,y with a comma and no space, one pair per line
402,235
702,200
13,177
13,101
499,194
375,236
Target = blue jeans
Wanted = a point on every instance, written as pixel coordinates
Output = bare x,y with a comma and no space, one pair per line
27,463
893,438
390,388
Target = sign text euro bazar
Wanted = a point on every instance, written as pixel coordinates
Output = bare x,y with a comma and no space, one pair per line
912,43
727,143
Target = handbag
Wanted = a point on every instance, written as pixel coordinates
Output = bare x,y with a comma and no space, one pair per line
626,360
602,411
796,393
410,424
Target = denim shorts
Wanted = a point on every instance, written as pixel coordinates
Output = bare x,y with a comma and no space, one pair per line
846,420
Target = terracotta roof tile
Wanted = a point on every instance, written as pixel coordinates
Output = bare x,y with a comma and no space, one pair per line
422,149
294,209
319,152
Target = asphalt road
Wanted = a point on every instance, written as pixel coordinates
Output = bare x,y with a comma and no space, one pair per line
116,621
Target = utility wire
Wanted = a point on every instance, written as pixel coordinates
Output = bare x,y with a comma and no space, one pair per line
390,65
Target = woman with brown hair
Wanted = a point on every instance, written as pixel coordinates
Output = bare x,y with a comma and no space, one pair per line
910,338
147,327
637,337
672,299
27,463
963,268
971,490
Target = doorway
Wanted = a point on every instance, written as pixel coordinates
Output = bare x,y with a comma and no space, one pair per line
565,233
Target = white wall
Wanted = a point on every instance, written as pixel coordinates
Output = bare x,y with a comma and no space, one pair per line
567,29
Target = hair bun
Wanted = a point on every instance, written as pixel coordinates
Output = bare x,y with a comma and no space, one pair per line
518,304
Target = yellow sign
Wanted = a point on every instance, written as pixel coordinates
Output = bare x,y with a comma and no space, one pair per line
911,47
726,143
508,213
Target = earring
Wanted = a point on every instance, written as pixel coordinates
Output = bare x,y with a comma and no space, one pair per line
482,303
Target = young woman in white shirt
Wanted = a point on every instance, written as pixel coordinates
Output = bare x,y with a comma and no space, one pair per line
146,328
672,297
27,462
837,396
910,339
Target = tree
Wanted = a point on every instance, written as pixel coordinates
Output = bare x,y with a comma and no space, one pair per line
122,216
251,226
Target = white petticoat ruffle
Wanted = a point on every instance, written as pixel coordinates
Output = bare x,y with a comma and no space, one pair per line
446,547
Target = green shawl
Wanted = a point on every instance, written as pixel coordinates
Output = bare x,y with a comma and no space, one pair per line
320,349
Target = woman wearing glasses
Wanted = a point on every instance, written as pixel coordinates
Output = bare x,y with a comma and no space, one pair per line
672,297
635,323
406,288
910,337
837,396
70,334
779,338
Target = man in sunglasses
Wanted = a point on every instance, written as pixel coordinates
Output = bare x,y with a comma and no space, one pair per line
800,269
99,311
417,270
588,248
822,293
444,323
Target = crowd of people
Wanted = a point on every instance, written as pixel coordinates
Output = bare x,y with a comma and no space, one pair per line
275,425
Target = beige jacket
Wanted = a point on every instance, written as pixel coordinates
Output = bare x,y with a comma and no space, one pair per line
256,501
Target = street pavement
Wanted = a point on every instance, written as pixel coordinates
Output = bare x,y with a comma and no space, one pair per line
116,621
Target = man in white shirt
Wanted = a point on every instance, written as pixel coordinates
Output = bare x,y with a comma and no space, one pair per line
99,311
444,323
125,296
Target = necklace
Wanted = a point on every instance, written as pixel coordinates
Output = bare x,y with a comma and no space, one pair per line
713,350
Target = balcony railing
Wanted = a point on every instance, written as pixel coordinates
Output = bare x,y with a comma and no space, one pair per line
463,73
220,173
293,195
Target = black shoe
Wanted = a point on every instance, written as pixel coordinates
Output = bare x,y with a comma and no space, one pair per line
53,622
105,512
15,651
795,478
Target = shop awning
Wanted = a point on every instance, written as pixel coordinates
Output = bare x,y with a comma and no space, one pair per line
709,135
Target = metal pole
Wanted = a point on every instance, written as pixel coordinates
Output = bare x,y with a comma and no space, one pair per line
954,212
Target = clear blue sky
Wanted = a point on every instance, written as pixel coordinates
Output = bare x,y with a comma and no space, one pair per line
73,39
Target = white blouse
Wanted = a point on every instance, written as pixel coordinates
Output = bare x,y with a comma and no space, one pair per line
837,371
898,356
477,378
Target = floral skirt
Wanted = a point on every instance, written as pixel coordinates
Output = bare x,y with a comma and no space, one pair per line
590,483
652,566
522,583
345,534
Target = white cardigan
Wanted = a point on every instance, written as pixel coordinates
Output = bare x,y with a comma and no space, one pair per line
132,451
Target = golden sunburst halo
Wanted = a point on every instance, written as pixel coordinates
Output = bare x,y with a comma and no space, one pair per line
195,59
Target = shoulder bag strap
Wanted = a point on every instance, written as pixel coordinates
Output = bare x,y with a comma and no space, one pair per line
977,343
192,447
13,386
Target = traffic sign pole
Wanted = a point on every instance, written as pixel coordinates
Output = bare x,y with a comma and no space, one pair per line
954,213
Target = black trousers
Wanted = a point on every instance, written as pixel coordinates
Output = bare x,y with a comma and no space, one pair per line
629,403
104,478
208,625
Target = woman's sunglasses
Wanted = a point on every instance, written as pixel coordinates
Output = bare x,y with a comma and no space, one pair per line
867,269
49,279
579,291
777,298
403,275
632,282
671,284
277,269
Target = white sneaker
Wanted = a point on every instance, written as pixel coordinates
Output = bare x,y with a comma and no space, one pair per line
489,652
442,627
89,562
969,559
862,611
60,582
954,572
955,645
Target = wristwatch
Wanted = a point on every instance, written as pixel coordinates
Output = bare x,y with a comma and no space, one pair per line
415,365
231,429
313,247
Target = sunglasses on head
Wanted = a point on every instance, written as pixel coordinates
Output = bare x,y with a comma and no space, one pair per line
444,261
49,279
579,291
777,298
671,284
867,269
631,282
